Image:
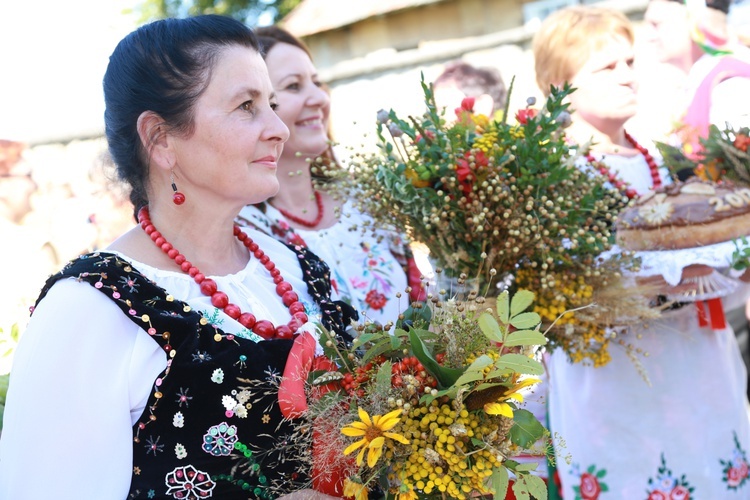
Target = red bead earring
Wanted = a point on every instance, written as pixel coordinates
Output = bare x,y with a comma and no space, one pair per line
178,198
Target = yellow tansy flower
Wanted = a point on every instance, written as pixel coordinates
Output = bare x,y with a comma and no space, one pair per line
373,433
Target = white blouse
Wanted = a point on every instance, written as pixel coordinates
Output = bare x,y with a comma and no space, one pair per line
83,372
364,268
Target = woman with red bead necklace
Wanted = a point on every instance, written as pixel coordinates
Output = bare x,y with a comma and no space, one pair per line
153,369
624,438
367,270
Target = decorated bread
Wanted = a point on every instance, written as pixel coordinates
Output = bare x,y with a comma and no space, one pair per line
687,214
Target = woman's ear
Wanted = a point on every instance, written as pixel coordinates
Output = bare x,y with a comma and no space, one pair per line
154,136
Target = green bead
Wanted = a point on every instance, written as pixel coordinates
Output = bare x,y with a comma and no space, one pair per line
256,467
257,491
246,486
237,445
248,454
262,479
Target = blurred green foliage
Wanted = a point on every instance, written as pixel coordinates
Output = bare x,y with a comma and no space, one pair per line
247,11
8,342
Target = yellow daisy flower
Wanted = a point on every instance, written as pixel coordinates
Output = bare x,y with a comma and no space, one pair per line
373,433
500,407
409,495
354,489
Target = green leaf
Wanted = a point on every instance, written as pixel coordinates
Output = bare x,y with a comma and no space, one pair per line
383,377
525,320
526,429
377,349
490,327
525,337
527,467
520,301
484,386
510,464
366,337
418,316
520,489
474,371
503,307
445,376
520,364
500,482
534,485
395,342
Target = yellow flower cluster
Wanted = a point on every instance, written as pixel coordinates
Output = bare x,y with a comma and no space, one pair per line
581,338
517,132
443,458
486,141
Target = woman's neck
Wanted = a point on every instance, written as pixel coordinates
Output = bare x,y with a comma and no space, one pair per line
604,140
203,234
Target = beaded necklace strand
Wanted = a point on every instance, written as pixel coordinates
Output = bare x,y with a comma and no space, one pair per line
619,183
303,222
220,300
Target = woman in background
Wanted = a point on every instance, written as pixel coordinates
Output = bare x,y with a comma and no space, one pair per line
622,437
368,270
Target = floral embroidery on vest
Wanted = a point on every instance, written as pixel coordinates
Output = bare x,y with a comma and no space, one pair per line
206,432
591,485
735,471
665,486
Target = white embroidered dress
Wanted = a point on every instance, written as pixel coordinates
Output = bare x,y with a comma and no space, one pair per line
685,436
364,268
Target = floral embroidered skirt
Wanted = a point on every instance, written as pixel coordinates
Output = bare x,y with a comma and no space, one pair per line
686,436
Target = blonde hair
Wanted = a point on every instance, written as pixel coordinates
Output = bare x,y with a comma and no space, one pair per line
567,38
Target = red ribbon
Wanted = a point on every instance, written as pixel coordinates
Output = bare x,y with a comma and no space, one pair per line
292,399
329,467
714,316
414,278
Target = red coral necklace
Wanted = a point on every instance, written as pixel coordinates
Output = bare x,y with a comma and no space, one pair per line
619,183
220,300
303,222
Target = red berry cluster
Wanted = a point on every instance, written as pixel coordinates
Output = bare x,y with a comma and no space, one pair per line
354,382
411,366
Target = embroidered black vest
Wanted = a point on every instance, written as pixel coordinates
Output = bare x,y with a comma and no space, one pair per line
212,427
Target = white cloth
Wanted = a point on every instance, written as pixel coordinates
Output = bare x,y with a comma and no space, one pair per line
670,263
619,432
364,270
83,373
613,421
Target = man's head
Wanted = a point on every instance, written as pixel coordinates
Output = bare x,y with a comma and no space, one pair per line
460,80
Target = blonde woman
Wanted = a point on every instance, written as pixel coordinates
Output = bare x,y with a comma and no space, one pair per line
624,438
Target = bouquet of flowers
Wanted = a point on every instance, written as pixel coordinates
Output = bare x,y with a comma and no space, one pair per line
724,155
514,203
432,410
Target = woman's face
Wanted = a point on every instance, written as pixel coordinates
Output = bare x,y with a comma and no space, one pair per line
303,104
606,87
237,139
668,32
